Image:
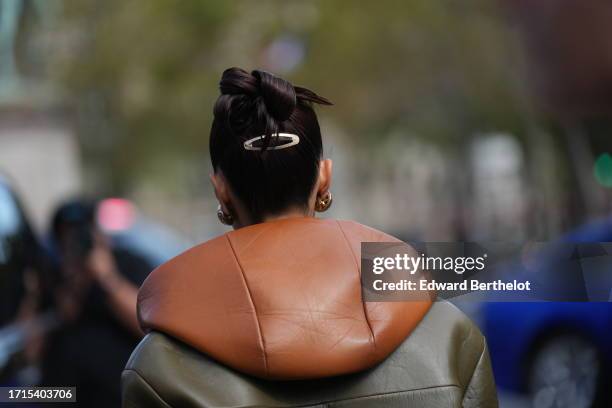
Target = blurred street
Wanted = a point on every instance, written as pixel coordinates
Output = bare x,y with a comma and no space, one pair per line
452,121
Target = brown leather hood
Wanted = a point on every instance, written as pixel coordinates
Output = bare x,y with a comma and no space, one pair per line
278,300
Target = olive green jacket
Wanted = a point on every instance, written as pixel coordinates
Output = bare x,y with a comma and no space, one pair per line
443,363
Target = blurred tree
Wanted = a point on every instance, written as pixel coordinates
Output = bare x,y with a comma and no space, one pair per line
143,73
139,73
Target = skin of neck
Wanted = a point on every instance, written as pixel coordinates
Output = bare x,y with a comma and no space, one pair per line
242,218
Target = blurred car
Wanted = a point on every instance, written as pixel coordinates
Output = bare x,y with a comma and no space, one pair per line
556,352
18,249
20,252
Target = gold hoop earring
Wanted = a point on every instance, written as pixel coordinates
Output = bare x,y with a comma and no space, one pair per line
224,218
323,203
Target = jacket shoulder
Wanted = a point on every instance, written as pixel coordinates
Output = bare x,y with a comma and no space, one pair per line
445,359
359,232
461,350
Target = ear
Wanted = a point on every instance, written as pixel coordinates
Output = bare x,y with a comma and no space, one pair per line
325,176
221,190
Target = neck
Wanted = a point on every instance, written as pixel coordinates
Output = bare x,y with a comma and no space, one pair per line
295,213
292,213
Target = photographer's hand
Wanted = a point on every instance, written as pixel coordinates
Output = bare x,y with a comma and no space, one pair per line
121,293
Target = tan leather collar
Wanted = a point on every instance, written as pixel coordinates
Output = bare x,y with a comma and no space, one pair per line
278,300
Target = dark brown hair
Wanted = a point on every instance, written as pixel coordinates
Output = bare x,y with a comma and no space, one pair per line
258,103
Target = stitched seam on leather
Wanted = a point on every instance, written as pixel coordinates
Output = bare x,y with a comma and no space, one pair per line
246,284
467,337
148,384
365,313
262,230
379,395
482,353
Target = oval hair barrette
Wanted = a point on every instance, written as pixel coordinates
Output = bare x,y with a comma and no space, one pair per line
289,140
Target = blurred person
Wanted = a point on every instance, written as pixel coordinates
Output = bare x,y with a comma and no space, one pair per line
96,301
279,298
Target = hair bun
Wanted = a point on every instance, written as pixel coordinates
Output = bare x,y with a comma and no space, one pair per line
278,95
236,81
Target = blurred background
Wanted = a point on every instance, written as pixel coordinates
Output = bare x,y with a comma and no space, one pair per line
453,120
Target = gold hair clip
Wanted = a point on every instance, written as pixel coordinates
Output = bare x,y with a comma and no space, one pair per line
290,140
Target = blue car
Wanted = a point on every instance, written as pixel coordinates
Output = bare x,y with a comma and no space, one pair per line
560,354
